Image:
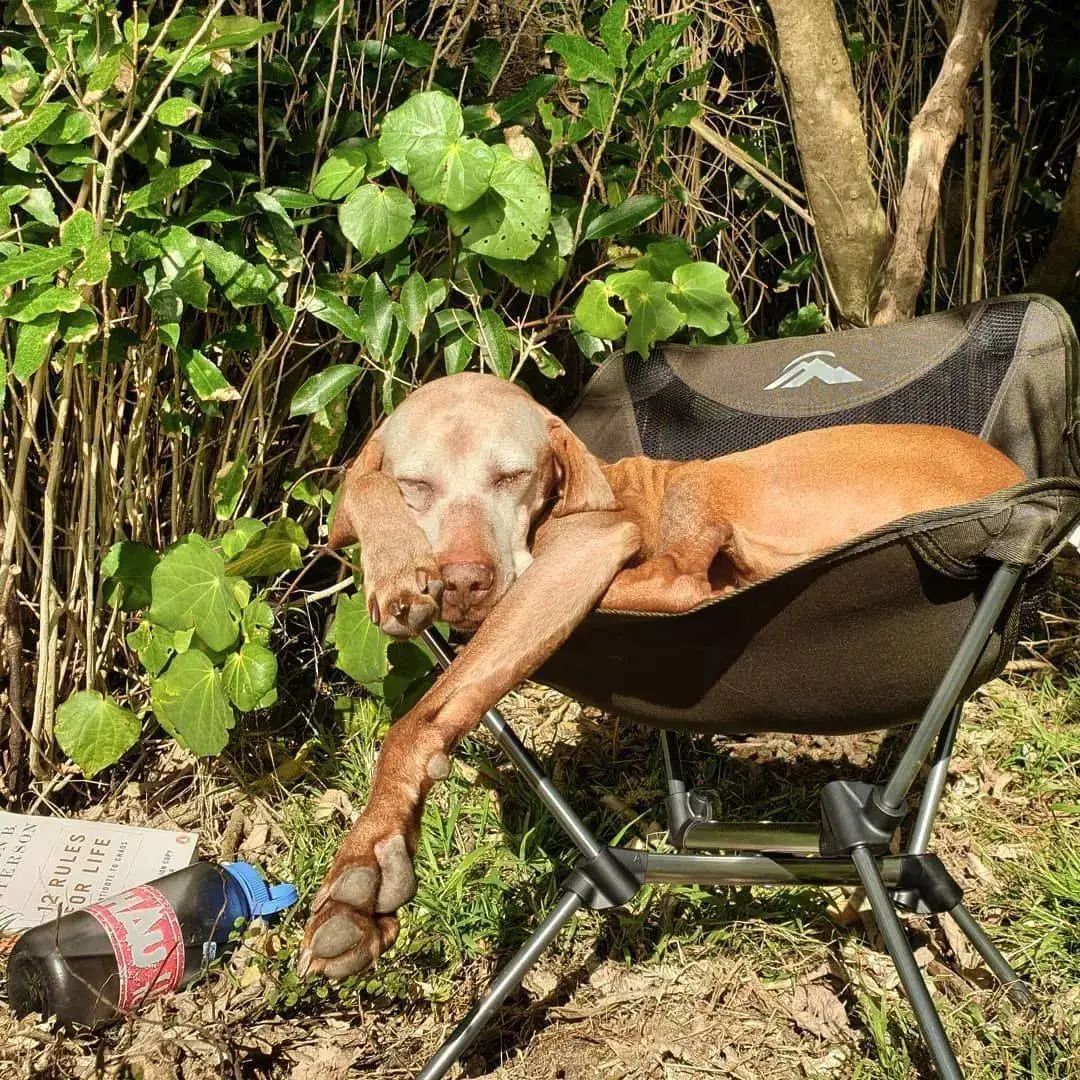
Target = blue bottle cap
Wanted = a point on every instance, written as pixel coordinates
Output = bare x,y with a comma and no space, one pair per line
262,899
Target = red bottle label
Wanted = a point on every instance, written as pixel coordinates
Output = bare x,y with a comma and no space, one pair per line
147,941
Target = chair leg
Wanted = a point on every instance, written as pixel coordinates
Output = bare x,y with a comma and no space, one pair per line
1017,988
504,983
907,967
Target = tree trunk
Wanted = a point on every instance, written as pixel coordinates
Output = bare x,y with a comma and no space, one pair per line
1056,270
850,226
933,132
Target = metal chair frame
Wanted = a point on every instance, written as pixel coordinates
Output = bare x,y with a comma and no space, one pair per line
849,847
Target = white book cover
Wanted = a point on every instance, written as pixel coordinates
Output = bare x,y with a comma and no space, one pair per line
50,866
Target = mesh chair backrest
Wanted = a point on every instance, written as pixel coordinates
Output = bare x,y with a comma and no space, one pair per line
1003,369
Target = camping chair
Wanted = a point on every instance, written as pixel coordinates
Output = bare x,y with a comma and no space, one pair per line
903,622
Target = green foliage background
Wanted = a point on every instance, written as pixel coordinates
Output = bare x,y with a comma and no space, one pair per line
230,241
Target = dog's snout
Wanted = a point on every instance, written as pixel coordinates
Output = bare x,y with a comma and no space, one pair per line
466,582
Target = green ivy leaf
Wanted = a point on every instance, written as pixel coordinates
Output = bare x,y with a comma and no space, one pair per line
328,308
153,645
189,702
244,284
33,345
583,59
33,262
624,218
662,259
340,173
27,131
797,272
509,221
319,390
126,572
376,219
95,265
539,273
807,320
239,536
182,265
361,645
431,118
205,376
414,303
38,203
377,316
496,350
613,32
94,731
270,551
78,230
166,184
699,290
653,317
596,316
249,676
191,592
257,621
173,112
228,487
31,303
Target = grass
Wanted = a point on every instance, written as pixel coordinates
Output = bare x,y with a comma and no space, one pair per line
684,981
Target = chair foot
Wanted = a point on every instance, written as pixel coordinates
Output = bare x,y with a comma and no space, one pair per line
504,984
1018,990
907,967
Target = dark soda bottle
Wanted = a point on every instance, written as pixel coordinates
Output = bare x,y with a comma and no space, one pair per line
92,965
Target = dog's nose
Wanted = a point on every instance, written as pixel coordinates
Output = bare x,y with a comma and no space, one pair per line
466,582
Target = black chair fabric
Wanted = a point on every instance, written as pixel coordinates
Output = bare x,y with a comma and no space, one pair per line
858,637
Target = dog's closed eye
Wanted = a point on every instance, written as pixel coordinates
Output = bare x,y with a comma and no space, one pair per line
417,493
510,478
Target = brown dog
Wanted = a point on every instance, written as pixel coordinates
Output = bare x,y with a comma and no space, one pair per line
474,501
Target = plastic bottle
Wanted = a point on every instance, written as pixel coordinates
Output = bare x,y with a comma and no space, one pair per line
92,965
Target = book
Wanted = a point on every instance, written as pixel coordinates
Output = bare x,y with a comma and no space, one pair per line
51,866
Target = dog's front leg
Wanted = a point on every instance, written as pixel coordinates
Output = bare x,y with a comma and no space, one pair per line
352,918
402,584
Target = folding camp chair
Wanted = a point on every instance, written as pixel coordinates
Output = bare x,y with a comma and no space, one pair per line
902,622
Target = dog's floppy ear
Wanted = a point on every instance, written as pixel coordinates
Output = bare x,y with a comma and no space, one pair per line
369,460
580,483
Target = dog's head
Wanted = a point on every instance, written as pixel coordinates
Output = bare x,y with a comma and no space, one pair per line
479,464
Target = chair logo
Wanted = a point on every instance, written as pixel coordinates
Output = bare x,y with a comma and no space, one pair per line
812,365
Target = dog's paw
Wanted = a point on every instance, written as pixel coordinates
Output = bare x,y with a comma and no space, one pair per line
352,920
403,597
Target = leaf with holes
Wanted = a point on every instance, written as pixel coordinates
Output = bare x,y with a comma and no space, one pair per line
94,731
596,316
191,592
249,676
509,221
376,219
190,703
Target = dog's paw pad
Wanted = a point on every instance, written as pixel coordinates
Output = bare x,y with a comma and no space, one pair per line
356,887
398,884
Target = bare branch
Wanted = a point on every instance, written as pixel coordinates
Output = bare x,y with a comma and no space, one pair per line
933,132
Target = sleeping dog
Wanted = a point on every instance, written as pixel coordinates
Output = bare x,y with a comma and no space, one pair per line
474,504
